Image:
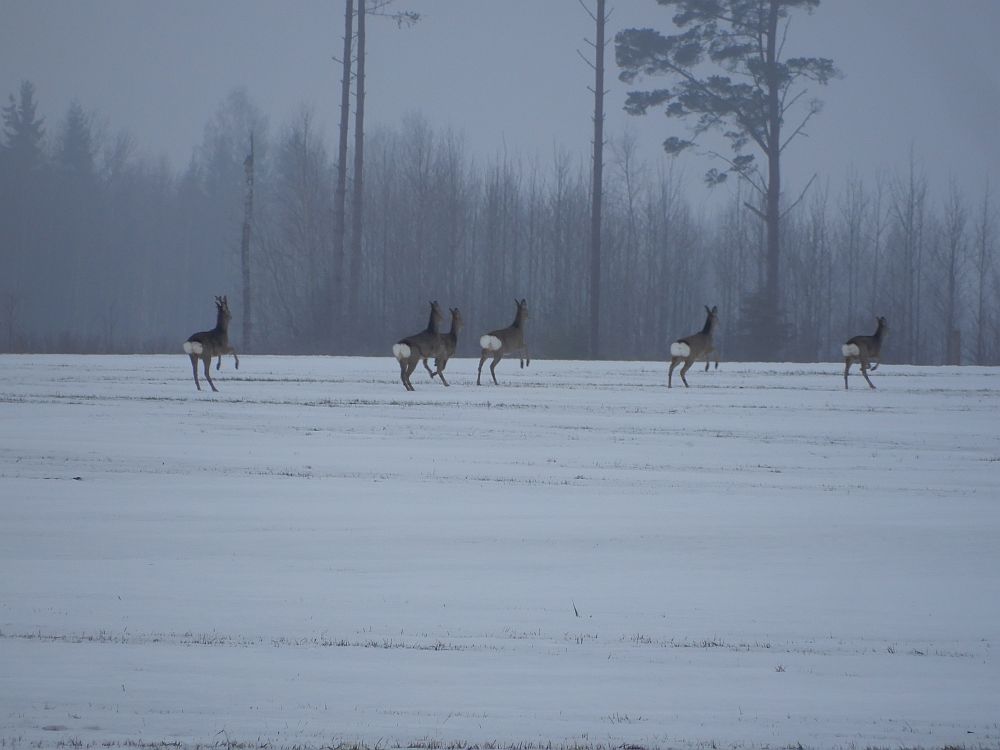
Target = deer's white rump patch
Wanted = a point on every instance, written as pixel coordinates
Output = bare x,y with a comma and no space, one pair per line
850,350
680,349
401,351
490,343
193,347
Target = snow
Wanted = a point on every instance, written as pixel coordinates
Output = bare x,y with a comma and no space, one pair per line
578,556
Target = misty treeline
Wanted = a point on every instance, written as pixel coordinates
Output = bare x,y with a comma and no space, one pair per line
107,250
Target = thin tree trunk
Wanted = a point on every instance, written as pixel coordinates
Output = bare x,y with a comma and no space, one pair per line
340,194
357,199
773,207
245,250
598,184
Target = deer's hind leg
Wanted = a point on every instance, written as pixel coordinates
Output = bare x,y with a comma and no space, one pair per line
674,361
493,366
194,367
479,374
847,369
208,373
684,369
410,367
402,374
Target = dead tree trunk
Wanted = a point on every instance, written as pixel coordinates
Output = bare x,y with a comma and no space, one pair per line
340,194
597,188
245,249
357,199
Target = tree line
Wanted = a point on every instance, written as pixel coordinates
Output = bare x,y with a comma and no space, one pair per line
103,249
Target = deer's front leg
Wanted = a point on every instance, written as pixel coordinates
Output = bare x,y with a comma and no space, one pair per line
233,351
847,369
525,357
878,361
864,371
440,364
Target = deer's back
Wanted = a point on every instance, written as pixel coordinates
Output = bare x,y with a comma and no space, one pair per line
511,337
868,344
423,344
698,343
210,340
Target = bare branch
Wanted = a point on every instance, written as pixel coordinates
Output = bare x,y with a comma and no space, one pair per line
799,199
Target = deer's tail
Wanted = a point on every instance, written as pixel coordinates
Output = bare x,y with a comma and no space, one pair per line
680,349
401,351
490,343
850,350
193,347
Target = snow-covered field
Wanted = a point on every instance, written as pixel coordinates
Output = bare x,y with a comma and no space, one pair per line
314,556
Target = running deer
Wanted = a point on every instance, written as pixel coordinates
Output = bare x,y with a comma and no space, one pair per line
449,342
419,347
694,347
505,340
205,345
864,349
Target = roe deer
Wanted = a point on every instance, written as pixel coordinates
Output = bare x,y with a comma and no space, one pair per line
420,346
864,349
509,339
205,345
694,347
449,341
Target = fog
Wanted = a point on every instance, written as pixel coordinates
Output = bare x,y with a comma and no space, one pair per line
497,95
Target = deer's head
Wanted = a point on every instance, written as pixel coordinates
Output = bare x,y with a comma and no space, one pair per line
436,315
713,313
882,325
522,308
222,308
456,319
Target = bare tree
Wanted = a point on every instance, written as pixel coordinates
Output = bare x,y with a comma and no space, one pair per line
245,247
985,251
340,193
950,250
600,17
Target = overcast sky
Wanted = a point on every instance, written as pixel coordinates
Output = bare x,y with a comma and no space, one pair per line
920,73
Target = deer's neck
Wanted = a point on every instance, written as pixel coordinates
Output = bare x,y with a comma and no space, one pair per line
707,328
518,320
879,333
221,324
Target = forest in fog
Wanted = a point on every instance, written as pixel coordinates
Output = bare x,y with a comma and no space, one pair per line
107,250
